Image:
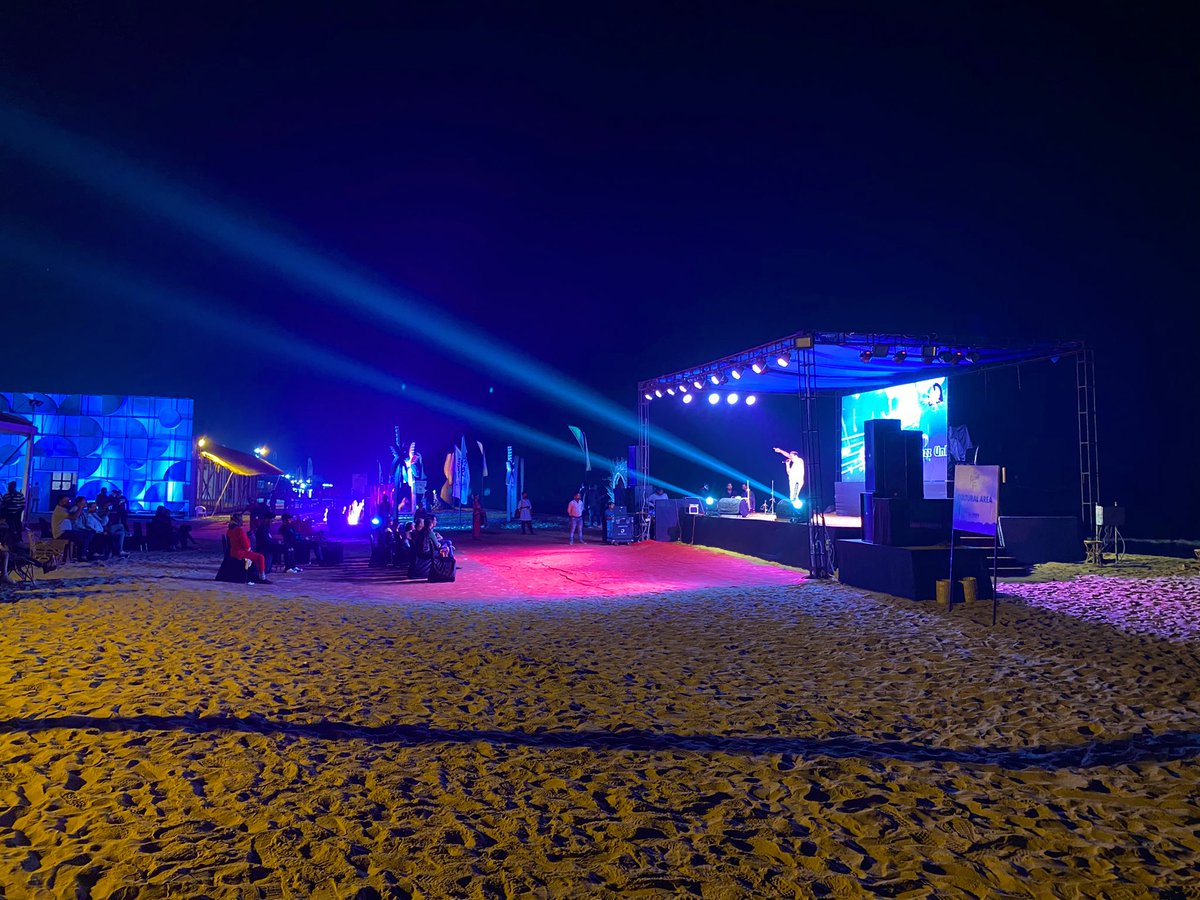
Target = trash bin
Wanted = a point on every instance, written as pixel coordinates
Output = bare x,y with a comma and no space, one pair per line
943,591
970,590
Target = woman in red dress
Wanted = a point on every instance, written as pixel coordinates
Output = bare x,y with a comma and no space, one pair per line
476,516
239,548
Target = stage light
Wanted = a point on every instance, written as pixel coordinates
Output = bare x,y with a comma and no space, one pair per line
671,391
708,501
731,399
683,388
698,383
715,378
687,398
648,395
751,399
736,373
375,521
899,356
974,356
202,442
657,392
865,356
714,399
782,362
759,366
928,354
946,356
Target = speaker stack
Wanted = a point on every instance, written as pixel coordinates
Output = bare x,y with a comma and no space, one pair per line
894,481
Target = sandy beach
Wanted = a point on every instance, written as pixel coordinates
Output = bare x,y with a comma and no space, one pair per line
550,726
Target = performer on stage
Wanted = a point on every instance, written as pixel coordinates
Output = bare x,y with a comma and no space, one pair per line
749,495
795,471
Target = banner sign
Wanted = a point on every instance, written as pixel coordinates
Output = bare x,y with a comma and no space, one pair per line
977,499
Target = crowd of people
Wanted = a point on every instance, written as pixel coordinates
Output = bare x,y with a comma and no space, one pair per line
417,547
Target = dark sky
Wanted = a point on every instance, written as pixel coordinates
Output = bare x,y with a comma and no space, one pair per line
619,192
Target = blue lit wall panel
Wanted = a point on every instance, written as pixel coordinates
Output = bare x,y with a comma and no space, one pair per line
142,445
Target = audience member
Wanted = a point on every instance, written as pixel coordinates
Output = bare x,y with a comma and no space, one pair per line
575,517
160,533
292,534
271,549
525,514
239,548
116,533
12,508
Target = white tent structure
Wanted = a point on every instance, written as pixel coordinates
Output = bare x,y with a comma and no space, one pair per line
10,424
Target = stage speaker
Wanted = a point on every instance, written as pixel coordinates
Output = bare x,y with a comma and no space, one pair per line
890,518
786,512
914,469
666,520
880,437
866,512
730,506
620,530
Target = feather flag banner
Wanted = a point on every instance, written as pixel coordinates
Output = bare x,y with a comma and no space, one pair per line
483,456
582,438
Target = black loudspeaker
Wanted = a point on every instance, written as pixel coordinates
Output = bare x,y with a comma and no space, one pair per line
867,512
786,512
914,464
730,506
890,521
666,520
880,437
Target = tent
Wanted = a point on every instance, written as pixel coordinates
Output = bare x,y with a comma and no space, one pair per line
11,424
229,479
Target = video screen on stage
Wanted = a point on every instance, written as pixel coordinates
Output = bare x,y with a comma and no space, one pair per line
919,407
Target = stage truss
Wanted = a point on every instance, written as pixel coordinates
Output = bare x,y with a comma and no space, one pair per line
836,363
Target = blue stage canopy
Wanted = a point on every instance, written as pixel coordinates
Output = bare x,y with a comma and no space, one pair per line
842,362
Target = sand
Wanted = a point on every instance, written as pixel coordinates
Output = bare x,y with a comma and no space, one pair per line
340,734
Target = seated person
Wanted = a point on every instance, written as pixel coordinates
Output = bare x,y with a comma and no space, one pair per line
185,537
115,530
160,533
271,549
442,545
89,522
239,548
423,551
62,527
294,537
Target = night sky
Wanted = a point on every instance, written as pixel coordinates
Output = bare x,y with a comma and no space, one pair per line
619,193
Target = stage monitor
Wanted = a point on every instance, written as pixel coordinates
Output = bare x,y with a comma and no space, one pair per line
920,406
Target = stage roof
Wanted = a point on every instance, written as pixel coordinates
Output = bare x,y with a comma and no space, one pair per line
237,462
845,362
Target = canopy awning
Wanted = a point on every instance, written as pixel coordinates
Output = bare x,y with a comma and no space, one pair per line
10,424
843,362
238,462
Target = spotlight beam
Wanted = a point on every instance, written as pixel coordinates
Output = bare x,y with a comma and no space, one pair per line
116,176
207,312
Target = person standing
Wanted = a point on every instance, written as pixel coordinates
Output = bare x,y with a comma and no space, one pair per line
749,495
795,472
575,515
476,516
12,508
525,514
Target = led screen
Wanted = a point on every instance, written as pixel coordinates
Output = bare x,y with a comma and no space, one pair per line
918,407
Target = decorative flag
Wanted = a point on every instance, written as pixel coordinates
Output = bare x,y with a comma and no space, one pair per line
582,438
484,456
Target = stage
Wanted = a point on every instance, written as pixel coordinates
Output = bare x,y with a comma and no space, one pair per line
763,536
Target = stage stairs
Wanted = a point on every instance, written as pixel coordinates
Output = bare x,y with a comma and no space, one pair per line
1006,566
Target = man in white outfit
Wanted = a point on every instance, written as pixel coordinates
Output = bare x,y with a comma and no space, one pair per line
795,472
575,514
